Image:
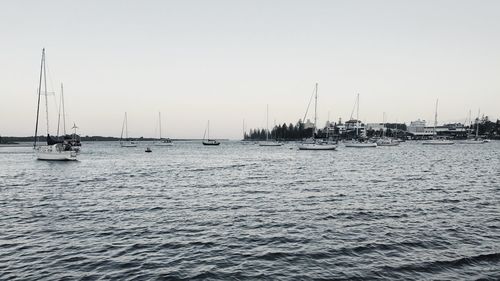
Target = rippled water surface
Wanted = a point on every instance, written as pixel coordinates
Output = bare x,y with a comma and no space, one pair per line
244,212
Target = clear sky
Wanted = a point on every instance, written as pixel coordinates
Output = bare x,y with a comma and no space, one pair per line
225,60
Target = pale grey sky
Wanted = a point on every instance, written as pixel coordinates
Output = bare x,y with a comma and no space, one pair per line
225,60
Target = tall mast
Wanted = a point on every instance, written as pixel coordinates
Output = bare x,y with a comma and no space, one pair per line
64,112
159,122
126,126
328,127
39,94
435,118
208,130
383,129
61,106
315,109
46,97
59,115
357,115
477,123
267,122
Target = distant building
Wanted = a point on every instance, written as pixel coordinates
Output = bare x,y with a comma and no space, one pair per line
418,130
375,126
351,125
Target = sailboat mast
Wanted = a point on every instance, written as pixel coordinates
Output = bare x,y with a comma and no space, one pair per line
357,115
208,130
46,97
59,115
315,109
267,122
159,122
61,106
63,110
126,126
383,120
435,118
328,127
39,94
477,123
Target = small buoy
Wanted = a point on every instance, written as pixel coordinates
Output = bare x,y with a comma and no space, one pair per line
148,149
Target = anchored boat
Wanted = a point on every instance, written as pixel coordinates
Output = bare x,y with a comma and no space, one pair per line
55,150
209,141
313,143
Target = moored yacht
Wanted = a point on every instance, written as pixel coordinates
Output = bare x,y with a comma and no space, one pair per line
268,142
313,143
161,141
437,140
208,140
359,142
476,139
55,150
126,142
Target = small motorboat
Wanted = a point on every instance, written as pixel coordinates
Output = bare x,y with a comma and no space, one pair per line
148,150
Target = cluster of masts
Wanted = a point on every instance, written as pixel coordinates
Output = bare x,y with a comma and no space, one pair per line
68,148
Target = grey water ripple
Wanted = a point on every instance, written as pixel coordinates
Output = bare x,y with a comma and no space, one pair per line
241,212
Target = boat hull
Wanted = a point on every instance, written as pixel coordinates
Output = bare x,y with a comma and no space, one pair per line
310,146
123,144
269,143
55,153
473,142
163,144
434,142
211,143
388,144
361,144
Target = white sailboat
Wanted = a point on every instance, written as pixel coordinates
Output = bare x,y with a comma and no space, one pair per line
385,141
267,142
126,142
72,139
162,142
476,139
209,141
313,143
358,143
54,150
435,140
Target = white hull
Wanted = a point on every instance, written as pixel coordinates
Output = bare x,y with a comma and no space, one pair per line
473,142
361,144
163,144
270,143
128,144
316,146
387,143
55,153
438,142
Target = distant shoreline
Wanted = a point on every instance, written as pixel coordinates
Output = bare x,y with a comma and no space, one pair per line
13,141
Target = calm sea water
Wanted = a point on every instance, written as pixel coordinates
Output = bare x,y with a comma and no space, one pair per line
244,212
